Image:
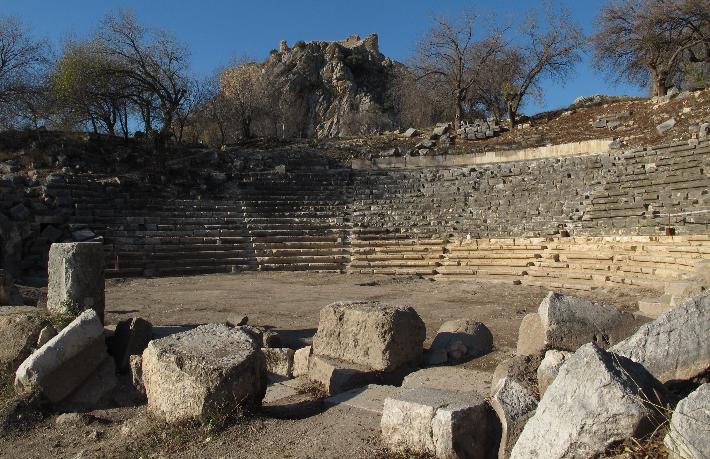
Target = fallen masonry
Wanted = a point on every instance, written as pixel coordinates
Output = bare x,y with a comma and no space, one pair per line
205,373
359,342
441,423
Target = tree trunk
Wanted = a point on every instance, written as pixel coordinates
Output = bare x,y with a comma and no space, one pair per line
511,116
460,99
658,80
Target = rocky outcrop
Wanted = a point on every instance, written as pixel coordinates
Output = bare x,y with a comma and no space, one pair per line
337,87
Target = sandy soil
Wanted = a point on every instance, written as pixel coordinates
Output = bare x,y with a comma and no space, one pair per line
289,302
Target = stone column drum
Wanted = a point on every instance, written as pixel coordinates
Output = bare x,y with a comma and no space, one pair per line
76,277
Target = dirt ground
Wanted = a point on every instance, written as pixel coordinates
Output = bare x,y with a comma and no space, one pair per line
288,302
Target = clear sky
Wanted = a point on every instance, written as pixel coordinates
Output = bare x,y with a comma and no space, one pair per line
217,30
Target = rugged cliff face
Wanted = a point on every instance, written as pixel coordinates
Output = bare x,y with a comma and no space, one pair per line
335,88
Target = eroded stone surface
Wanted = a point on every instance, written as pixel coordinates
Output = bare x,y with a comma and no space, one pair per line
19,334
549,367
370,333
441,423
675,346
514,405
598,399
76,277
279,361
56,369
569,322
689,433
204,372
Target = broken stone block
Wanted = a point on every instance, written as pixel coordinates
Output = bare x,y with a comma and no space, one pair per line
455,379
130,338
531,336
549,367
19,333
204,373
597,400
279,361
675,346
688,434
522,368
440,423
45,335
60,366
463,339
370,333
514,405
338,376
666,126
76,278
301,361
569,322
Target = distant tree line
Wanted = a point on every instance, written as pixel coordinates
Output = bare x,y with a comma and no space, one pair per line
126,77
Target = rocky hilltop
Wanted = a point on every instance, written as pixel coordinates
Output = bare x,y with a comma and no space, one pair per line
336,87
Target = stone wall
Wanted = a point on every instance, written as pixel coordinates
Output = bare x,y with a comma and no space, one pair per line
316,214
629,193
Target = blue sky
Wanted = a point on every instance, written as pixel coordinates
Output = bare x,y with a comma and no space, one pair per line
217,30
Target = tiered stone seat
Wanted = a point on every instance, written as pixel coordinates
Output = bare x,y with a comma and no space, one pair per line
298,220
396,256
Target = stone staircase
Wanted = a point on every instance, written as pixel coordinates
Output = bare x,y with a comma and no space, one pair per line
298,220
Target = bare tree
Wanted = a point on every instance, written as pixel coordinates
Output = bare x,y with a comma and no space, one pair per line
645,41
154,63
88,91
248,91
417,102
22,62
548,45
452,54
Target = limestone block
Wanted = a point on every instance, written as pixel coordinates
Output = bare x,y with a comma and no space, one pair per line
130,338
76,277
338,376
19,334
440,423
675,346
301,361
463,339
549,367
569,322
522,368
514,405
598,399
688,436
279,361
451,378
65,361
207,371
531,336
369,333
